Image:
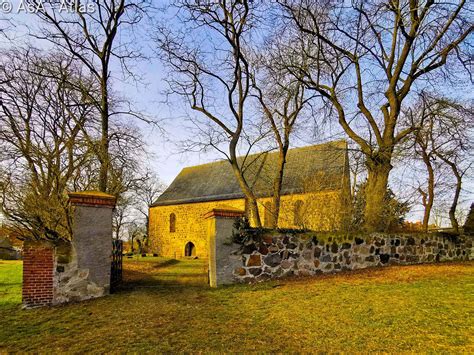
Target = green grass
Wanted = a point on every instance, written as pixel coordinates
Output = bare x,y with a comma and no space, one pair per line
151,271
421,308
10,283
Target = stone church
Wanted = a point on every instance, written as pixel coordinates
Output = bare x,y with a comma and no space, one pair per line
315,196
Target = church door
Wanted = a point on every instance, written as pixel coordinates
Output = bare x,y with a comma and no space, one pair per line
190,249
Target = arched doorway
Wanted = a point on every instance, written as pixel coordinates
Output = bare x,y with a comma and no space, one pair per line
189,249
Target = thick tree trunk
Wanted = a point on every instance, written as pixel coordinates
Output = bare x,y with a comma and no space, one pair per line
376,188
277,184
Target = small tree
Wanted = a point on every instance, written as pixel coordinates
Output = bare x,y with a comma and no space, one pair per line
146,193
450,139
442,143
393,211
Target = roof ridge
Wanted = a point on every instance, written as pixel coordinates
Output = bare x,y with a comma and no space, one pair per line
220,161
318,167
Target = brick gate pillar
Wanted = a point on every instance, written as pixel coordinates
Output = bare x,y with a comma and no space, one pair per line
220,232
38,273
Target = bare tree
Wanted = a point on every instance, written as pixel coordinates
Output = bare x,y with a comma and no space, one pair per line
145,194
442,143
211,71
368,56
450,138
49,130
421,115
126,174
136,233
284,103
42,148
96,36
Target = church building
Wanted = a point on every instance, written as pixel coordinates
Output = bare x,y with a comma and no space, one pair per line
315,196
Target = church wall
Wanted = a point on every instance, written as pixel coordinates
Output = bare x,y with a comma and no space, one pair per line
322,211
190,227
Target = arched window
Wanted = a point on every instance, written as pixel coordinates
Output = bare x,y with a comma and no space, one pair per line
172,223
189,249
267,214
298,213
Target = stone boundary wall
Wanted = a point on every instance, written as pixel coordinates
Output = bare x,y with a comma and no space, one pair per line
38,274
274,256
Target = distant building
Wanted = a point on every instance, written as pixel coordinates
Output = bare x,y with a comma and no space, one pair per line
315,195
10,245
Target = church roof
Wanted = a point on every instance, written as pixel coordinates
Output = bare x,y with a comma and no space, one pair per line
314,168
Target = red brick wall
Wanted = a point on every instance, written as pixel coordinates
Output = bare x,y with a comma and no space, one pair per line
38,267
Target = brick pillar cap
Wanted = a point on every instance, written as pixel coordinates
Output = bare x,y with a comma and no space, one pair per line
225,212
91,198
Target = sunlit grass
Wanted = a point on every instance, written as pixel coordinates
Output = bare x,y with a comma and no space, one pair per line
422,308
160,271
10,283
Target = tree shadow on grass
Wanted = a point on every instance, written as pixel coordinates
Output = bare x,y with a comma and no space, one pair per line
166,263
161,273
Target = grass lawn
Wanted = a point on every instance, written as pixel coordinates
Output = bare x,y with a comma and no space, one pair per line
10,284
165,306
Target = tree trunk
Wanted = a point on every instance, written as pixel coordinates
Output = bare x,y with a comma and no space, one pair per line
252,200
454,205
277,184
457,191
430,196
104,139
147,240
376,188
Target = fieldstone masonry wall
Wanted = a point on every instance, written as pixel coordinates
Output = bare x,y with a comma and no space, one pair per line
65,271
273,256
268,256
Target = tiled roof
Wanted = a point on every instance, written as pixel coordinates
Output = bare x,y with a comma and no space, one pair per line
308,169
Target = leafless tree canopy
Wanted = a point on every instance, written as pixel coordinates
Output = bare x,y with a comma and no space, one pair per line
43,117
97,39
365,60
50,131
211,68
443,142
